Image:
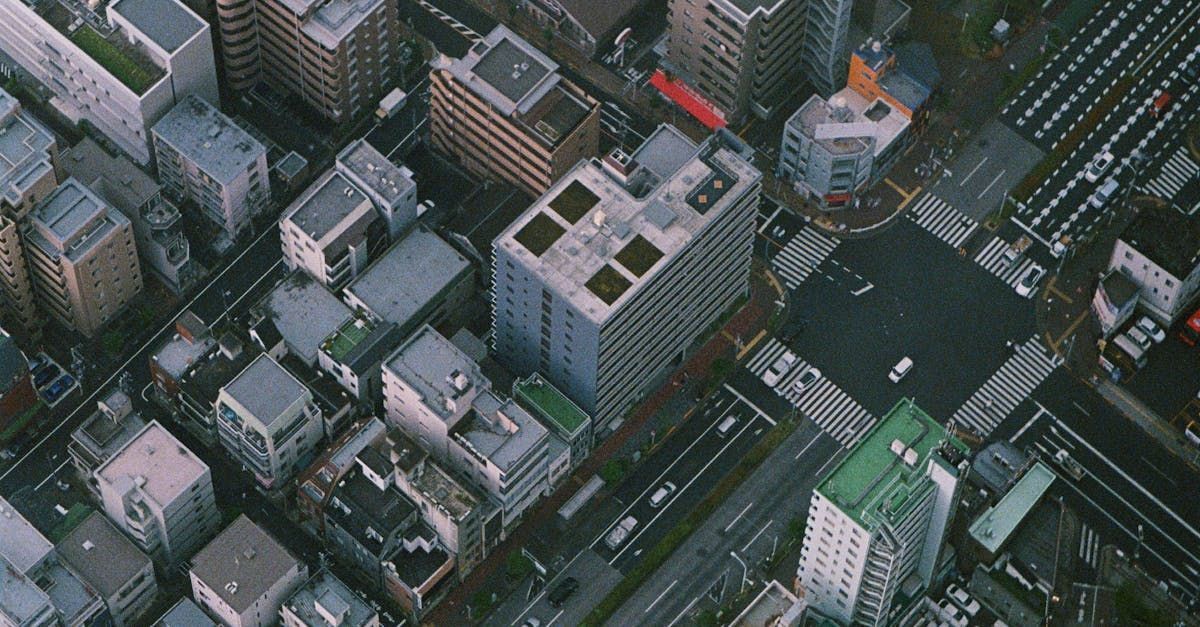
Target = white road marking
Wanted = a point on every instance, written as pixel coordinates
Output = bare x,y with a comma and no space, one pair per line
655,601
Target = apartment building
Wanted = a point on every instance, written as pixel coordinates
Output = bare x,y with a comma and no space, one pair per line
589,27
390,187
102,435
17,395
244,576
205,158
118,65
28,174
82,257
113,566
172,358
558,413
160,494
269,422
439,397
506,112
332,232
339,56
354,356
184,613
161,244
324,601
608,278
881,516
1159,251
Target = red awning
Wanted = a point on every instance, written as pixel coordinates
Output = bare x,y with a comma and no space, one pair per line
693,103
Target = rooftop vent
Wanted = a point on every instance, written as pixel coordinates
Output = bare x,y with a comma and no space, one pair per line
231,587
88,545
459,381
249,553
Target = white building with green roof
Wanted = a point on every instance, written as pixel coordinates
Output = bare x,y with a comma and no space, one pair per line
881,516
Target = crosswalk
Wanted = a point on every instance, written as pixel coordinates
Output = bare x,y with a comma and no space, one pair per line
1016,379
830,407
991,257
1176,173
801,256
942,220
1089,546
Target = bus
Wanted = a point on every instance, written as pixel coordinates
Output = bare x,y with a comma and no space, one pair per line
1190,333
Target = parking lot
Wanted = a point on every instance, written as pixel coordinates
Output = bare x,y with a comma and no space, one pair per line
51,380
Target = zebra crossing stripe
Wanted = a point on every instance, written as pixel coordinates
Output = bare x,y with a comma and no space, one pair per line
801,256
991,257
762,360
1175,173
1089,546
1015,380
942,220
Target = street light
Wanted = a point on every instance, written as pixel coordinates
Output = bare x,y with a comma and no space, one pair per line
741,587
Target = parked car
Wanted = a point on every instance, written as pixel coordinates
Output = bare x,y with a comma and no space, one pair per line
58,388
1150,328
1030,280
962,599
1192,433
1139,337
806,380
562,592
47,374
1100,164
661,495
779,368
900,369
951,614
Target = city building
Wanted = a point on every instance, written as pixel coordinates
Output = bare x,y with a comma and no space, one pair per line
161,243
1160,252
185,613
318,481
82,257
775,606
439,397
160,494
27,175
354,356
590,27
332,231
1114,301
196,400
339,56
880,517
608,278
506,112
102,434
558,413
116,569
390,187
204,158
269,422
173,358
17,395
117,65
832,149
996,526
366,519
244,575
324,601
420,280
301,313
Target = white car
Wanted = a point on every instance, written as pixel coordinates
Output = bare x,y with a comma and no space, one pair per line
806,380
1030,280
779,368
962,599
1150,328
1139,337
1098,167
900,369
951,614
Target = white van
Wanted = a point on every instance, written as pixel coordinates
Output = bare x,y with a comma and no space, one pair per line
726,426
663,493
1104,193
900,369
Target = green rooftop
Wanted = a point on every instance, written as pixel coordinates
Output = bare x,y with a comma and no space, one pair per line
608,284
639,255
539,234
113,59
342,341
574,201
994,527
873,483
548,403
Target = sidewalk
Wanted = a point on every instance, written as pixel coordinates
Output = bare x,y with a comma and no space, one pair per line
633,434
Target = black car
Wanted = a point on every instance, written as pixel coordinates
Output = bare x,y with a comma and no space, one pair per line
47,374
562,592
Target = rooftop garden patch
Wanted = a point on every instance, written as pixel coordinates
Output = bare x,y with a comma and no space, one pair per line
539,234
111,58
573,202
608,284
639,255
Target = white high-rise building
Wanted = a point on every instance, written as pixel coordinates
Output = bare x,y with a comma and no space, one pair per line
880,517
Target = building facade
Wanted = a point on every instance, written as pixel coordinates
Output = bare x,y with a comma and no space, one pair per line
608,279
17,395
107,561
244,576
881,516
332,232
505,112
119,66
1159,251
82,257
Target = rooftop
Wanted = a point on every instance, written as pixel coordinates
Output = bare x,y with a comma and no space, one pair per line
499,430
94,34
20,542
444,377
1166,237
21,601
207,137
406,279
102,556
609,226
599,18
185,613
120,182
156,463
750,7
177,354
416,567
25,147
369,514
305,313
329,204
362,344
266,390
329,22
375,172
549,404
848,123
774,603
1119,287
993,528
242,563
72,220
103,436
443,490
204,380
167,23
73,599
325,600
873,482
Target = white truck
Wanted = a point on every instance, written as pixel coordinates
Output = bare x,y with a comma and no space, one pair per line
391,103
620,533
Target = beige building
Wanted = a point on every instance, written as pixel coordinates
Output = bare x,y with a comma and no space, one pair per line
82,258
27,175
505,112
244,576
339,56
113,566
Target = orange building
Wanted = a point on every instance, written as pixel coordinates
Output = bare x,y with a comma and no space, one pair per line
875,73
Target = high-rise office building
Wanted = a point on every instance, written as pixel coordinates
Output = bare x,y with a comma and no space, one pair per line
881,516
619,267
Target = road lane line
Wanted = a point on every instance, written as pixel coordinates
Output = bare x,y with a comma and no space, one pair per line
765,415
53,473
738,517
806,446
973,170
778,208
985,190
1028,423
556,617
655,601
760,532
685,611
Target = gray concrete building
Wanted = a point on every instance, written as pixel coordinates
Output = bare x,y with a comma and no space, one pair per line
303,313
603,284
325,601
244,575
106,431
390,187
107,561
185,613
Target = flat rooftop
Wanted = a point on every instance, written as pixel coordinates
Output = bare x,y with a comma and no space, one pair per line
128,62
375,171
409,276
102,556
20,542
155,461
168,23
442,489
500,430
548,403
445,377
24,150
750,7
266,390
177,354
848,123
325,595
1166,237
210,139
361,345
22,602
994,527
72,221
329,22
873,483
119,181
305,313
103,436
510,65
327,204
594,240
185,613
242,563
